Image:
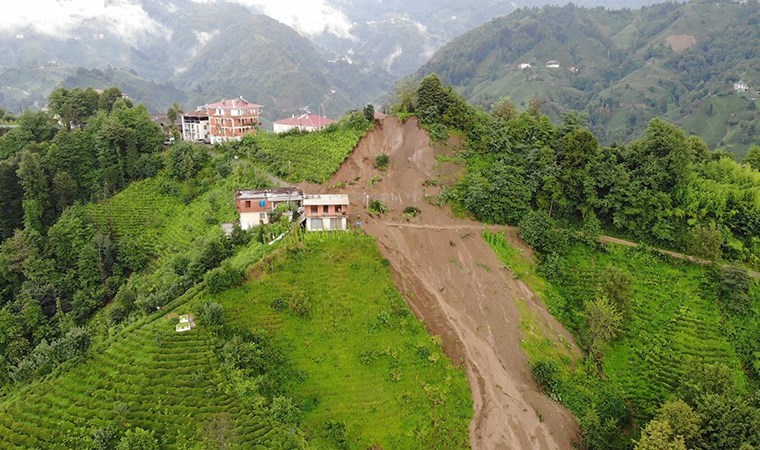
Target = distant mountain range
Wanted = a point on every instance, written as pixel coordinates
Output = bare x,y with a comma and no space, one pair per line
197,51
696,64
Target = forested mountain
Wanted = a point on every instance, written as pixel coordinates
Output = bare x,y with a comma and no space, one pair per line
193,53
622,68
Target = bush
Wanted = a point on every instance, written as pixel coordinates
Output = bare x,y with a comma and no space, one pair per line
411,212
285,411
300,305
541,233
223,278
382,162
336,432
138,439
212,313
377,207
546,374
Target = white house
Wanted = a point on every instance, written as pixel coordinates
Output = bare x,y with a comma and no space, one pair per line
255,205
523,66
741,86
553,64
195,126
326,212
304,122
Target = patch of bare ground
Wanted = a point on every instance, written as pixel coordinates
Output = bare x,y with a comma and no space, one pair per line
457,286
681,42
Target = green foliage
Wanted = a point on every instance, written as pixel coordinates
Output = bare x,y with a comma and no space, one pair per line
382,161
753,157
546,374
360,325
311,156
659,435
411,212
377,207
223,278
541,233
212,313
138,439
604,325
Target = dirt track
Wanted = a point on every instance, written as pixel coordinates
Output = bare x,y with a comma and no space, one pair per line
455,283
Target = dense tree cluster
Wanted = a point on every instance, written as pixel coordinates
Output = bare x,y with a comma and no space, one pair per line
666,188
56,266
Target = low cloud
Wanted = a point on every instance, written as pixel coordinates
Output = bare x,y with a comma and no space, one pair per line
59,18
309,17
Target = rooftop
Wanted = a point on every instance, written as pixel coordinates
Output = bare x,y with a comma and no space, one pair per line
306,120
325,199
233,103
270,194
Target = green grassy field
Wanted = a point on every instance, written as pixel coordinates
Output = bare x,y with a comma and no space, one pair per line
367,361
147,376
310,156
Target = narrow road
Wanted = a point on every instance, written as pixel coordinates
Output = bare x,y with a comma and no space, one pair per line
603,239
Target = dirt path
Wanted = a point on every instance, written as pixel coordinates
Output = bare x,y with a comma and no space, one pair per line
455,283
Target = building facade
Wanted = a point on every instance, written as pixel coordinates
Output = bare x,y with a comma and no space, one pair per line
195,126
304,122
230,120
256,205
326,212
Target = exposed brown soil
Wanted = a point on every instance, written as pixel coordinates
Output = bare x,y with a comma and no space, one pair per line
681,42
458,287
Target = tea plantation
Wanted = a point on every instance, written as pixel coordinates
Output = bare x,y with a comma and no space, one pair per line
371,375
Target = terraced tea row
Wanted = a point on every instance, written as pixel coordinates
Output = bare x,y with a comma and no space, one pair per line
153,378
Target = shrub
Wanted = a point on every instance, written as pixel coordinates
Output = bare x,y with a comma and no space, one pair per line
336,432
377,207
300,305
285,411
541,233
411,212
382,161
212,313
138,439
546,374
223,278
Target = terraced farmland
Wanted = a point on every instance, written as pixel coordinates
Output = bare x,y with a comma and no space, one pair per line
149,377
368,364
310,156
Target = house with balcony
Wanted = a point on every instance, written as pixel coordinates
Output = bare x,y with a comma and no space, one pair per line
326,212
255,206
195,126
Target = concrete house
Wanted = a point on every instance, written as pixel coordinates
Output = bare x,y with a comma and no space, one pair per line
255,205
553,64
326,212
523,66
195,126
304,122
229,120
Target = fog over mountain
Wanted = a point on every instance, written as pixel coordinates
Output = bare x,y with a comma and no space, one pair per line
155,49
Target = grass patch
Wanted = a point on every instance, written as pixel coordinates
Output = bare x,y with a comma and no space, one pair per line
372,376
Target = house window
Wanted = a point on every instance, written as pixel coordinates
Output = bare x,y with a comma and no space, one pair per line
325,209
314,209
316,224
338,209
247,203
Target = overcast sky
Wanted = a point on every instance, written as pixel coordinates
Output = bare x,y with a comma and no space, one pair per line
127,19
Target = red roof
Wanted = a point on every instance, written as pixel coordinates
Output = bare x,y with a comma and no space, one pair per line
306,120
233,103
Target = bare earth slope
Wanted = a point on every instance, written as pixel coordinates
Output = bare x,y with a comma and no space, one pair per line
459,288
